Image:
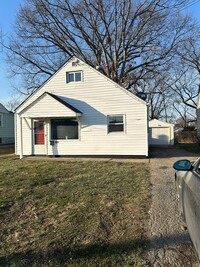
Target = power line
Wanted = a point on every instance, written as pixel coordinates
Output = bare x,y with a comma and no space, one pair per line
189,5
185,7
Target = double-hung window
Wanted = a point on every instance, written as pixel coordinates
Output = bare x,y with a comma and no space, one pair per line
74,76
116,123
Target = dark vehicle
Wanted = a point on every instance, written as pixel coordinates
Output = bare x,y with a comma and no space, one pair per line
187,178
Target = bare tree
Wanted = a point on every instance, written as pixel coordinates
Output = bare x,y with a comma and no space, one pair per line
159,96
128,39
186,116
184,83
176,89
12,104
187,86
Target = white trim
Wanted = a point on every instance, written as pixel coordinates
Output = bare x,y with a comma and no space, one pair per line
21,139
32,136
74,74
46,139
15,131
124,123
66,118
147,132
41,98
79,128
99,73
38,149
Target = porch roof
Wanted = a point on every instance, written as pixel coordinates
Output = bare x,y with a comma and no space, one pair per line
49,106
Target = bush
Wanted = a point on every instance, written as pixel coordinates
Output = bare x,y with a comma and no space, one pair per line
186,136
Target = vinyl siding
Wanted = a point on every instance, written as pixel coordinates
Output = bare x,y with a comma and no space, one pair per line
42,108
96,97
7,128
3,109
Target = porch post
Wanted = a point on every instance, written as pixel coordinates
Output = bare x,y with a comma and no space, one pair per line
21,139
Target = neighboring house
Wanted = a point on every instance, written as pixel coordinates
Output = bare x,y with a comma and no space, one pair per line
79,111
198,119
6,126
161,133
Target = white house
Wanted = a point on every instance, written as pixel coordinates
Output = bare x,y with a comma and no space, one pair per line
79,111
161,133
6,126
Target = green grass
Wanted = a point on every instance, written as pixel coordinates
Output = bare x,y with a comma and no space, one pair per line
72,213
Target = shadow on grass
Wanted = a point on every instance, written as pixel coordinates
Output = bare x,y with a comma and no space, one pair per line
177,150
66,255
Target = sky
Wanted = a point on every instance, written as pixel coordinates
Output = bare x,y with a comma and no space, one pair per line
8,11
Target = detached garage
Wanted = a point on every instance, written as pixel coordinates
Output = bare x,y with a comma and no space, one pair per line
161,133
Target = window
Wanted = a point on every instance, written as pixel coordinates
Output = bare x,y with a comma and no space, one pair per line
75,76
115,123
1,119
64,129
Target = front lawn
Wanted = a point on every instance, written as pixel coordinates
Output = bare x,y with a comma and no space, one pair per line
72,213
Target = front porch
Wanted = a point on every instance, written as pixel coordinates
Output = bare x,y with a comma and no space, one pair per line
41,128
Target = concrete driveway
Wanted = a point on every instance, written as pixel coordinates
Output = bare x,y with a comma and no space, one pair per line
170,246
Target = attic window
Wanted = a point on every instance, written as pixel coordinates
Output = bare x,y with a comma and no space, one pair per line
115,123
75,76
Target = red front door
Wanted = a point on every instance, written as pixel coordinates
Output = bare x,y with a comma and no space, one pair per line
39,132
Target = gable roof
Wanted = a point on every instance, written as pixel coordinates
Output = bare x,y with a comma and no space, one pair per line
105,77
64,103
3,109
158,123
98,72
45,100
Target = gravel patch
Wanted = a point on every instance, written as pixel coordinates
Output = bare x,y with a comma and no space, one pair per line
170,246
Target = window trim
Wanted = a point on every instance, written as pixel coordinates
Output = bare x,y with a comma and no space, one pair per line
74,73
124,124
36,132
68,140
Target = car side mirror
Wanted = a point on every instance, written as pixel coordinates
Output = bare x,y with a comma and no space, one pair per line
182,165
